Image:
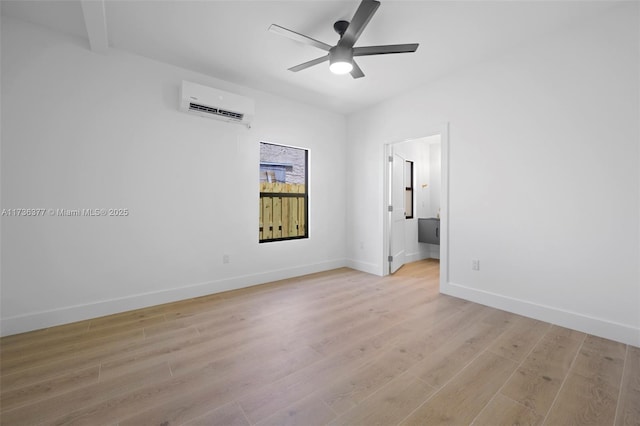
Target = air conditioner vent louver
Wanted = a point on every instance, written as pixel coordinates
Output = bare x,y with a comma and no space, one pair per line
203,108
215,103
216,111
235,115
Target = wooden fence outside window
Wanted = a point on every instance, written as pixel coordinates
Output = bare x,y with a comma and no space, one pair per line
283,212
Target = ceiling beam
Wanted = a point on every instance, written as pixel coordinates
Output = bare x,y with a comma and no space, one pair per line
95,19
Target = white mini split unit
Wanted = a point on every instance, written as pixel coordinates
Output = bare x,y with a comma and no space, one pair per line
215,103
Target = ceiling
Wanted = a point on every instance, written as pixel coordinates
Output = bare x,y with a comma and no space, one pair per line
230,40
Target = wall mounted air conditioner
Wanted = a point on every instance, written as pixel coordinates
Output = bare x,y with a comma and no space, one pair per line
215,103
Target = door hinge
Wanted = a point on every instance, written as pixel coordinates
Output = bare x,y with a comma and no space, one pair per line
390,208
391,158
390,258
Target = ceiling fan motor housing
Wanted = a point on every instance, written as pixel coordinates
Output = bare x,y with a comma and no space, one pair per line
340,54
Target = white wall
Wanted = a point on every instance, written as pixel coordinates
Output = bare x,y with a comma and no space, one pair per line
84,130
544,176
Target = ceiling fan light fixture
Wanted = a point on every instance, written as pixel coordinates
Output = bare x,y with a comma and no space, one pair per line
340,60
341,67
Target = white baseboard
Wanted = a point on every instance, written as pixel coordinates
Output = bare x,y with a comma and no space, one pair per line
573,320
369,268
414,257
68,314
434,252
372,268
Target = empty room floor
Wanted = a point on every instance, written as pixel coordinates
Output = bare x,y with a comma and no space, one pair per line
339,347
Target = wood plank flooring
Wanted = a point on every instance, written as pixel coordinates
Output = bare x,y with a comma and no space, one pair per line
335,348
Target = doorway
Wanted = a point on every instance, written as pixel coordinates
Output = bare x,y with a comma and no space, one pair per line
409,197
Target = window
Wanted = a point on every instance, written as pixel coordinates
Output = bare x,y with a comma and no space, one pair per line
408,192
284,199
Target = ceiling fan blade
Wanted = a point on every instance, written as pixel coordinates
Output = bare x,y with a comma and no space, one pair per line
360,20
383,50
309,63
301,38
356,72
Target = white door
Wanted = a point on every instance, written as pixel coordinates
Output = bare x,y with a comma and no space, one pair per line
397,219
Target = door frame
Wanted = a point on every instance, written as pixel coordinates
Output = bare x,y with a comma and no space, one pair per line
442,130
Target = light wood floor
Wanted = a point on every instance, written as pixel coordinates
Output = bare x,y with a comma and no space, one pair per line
340,348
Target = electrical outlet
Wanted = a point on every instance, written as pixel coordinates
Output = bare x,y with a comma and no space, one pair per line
225,258
475,264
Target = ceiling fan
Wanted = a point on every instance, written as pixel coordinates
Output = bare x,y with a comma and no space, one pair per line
341,55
